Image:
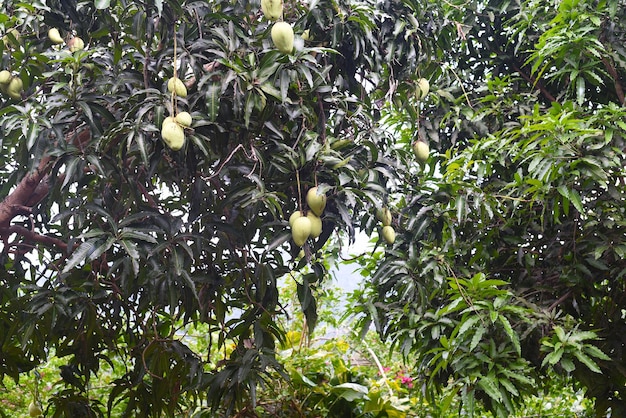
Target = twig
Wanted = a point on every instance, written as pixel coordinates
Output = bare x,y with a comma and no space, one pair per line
535,82
560,300
469,103
33,236
230,156
299,190
145,365
619,90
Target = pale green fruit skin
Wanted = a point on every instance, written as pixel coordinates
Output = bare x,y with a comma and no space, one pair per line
55,36
316,202
421,151
316,224
301,230
384,215
76,44
306,35
15,88
34,410
423,87
14,32
283,37
184,119
173,134
5,77
272,9
297,214
175,85
388,234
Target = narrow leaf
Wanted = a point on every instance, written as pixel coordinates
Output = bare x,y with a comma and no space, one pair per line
587,361
80,254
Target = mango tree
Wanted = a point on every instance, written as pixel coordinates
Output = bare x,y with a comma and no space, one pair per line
152,153
508,263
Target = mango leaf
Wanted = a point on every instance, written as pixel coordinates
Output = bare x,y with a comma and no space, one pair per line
102,4
489,384
80,254
212,100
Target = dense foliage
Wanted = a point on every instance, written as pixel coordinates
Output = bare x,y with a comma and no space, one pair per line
508,260
115,244
335,373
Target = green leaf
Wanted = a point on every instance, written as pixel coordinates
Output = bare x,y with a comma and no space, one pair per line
574,197
568,365
594,351
511,333
212,100
477,337
351,391
101,249
489,384
467,324
587,361
510,387
580,90
308,304
129,233
554,357
102,4
305,379
80,254
278,240
130,247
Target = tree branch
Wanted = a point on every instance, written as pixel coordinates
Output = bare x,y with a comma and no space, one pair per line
560,300
29,191
536,83
619,90
34,237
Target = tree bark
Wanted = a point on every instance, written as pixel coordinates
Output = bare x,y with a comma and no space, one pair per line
28,193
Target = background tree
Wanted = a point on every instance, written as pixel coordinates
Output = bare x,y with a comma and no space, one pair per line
510,257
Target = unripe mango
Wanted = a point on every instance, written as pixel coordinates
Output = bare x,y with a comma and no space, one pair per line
421,151
15,88
294,216
388,234
76,44
316,202
301,230
423,87
184,119
5,77
55,36
175,85
316,224
34,410
272,9
173,134
6,39
384,215
283,37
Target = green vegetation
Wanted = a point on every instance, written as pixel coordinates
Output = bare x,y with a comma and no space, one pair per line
329,375
152,153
